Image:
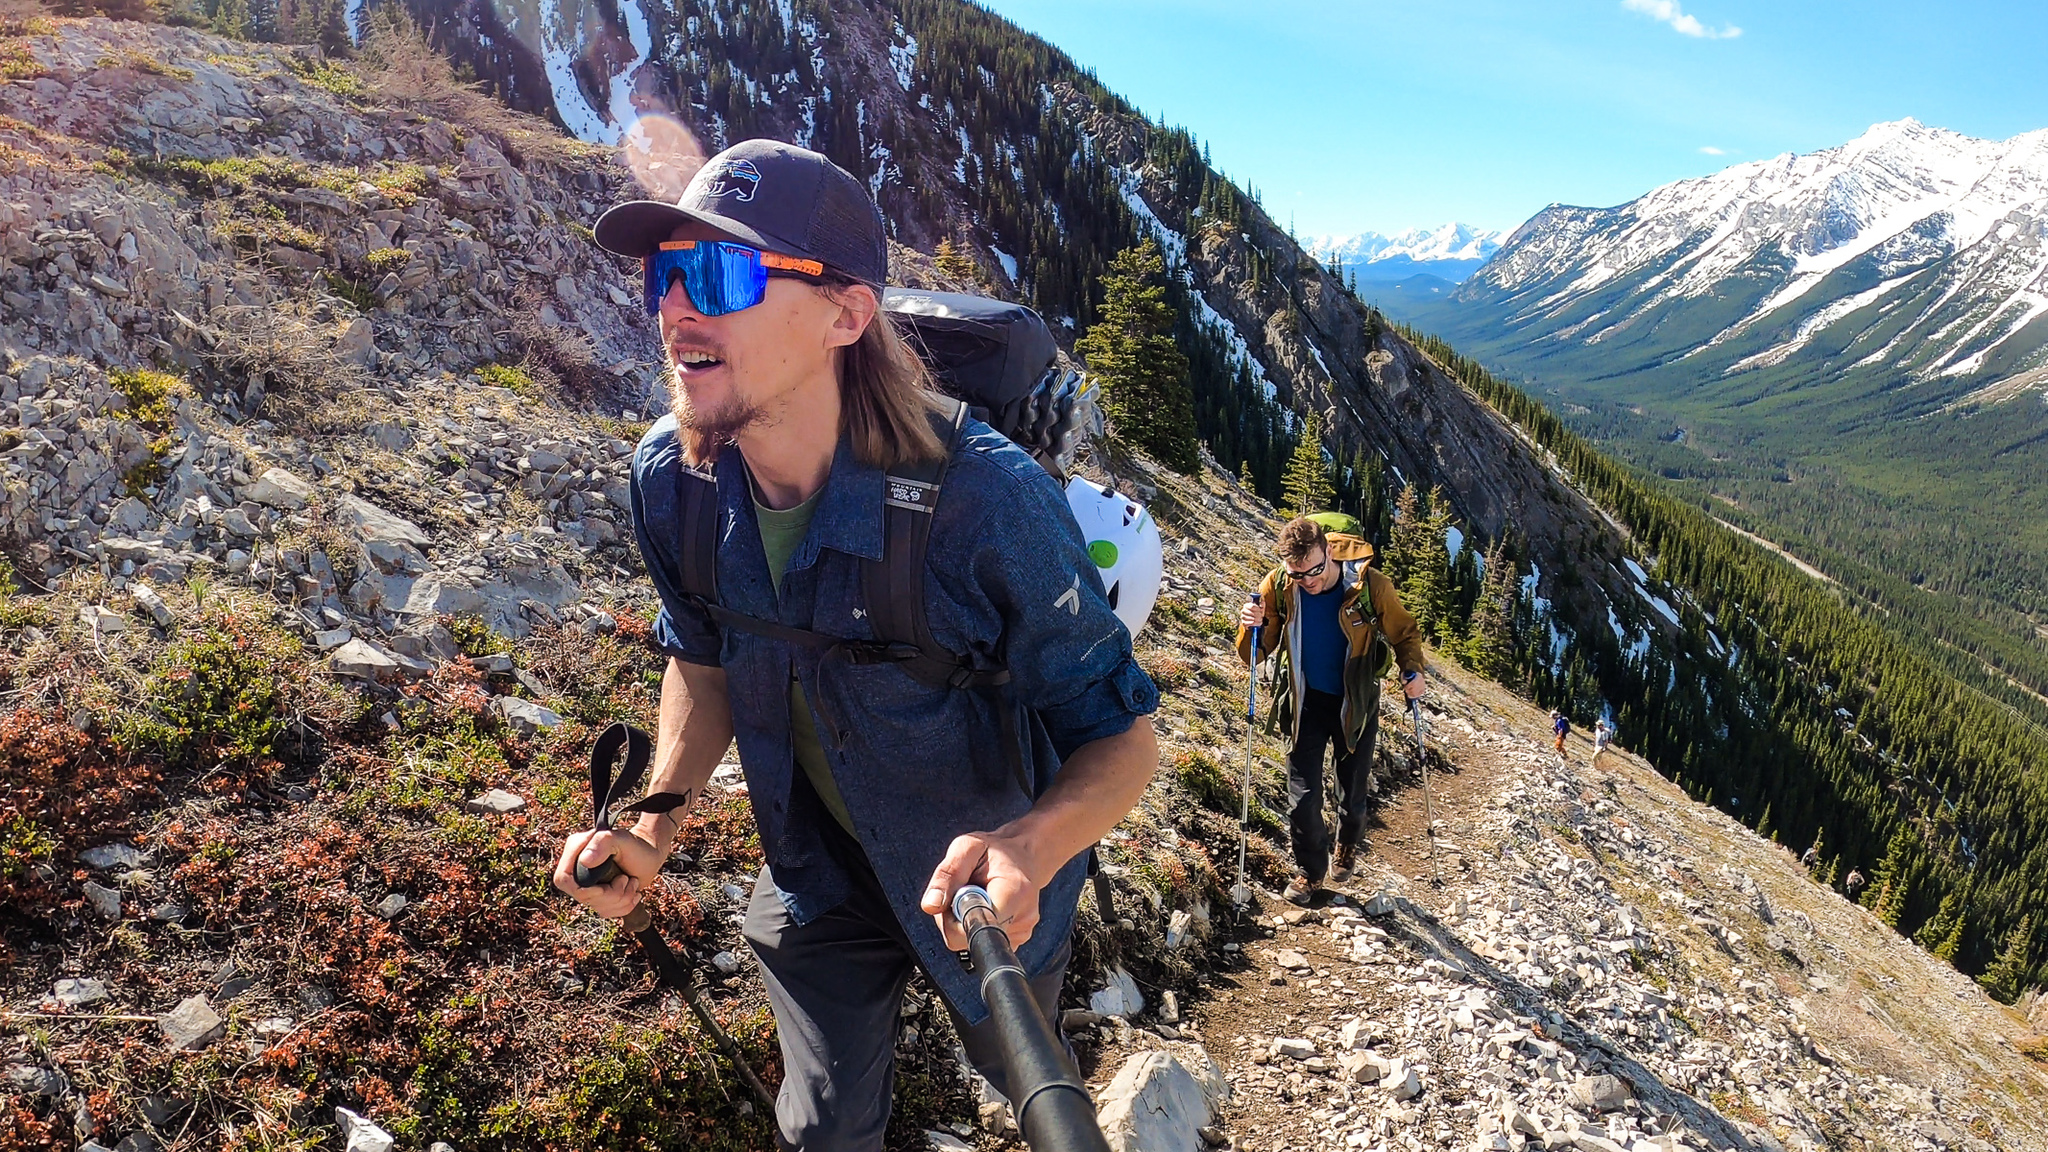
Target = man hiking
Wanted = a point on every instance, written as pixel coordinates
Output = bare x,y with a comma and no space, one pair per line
877,792
1336,618
1603,734
1561,726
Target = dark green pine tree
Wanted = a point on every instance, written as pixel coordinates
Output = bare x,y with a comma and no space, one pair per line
1143,373
1491,649
1943,935
2006,978
1306,486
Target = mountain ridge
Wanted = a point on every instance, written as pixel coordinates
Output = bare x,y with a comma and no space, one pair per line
1451,251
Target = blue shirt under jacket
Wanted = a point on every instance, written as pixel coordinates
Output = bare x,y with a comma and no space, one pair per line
1007,579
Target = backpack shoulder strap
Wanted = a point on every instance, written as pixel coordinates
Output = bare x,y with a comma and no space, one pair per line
697,498
893,586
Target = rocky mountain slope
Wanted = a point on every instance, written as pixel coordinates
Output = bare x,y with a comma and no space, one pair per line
1912,252
315,402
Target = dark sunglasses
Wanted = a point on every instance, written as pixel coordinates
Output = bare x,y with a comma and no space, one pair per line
720,276
1310,573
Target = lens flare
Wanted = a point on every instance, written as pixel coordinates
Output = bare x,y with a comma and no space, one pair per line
663,155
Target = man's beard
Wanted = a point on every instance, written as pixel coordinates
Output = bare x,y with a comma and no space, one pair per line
720,424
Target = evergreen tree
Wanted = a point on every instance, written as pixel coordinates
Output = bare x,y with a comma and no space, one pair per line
1404,537
1491,649
1132,353
1426,590
2006,978
956,265
1306,487
1943,934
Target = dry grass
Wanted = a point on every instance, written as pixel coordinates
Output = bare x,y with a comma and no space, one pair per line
308,379
401,68
560,358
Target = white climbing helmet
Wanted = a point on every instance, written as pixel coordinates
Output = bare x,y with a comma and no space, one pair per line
1123,541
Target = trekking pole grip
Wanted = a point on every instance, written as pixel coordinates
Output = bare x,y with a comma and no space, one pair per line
599,876
1052,1105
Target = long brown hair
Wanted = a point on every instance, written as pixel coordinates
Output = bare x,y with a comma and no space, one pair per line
886,396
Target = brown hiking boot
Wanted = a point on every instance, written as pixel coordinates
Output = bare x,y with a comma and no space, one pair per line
1300,890
1342,864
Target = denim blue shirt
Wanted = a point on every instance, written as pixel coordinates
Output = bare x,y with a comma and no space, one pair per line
1007,578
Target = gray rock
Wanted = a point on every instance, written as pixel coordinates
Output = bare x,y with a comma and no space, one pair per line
80,992
373,523
360,1135
946,1142
358,342
1292,1047
1154,1105
160,1108
395,556
129,516
152,604
1381,904
1401,1080
137,1141
332,638
497,801
524,716
238,524
390,437
392,905
1291,960
1603,1093
1119,997
36,1080
234,986
192,1025
104,621
237,561
106,901
108,857
277,488
1364,1067
363,660
726,963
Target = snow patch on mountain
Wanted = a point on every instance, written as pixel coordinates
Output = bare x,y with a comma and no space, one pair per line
563,42
1451,250
1952,228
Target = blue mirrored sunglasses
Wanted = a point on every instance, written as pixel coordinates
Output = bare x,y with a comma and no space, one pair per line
719,275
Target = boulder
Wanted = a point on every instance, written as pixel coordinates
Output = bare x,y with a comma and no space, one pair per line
496,802
524,716
108,857
363,660
360,1135
104,900
357,342
1601,1093
1293,1047
374,524
1364,1067
1154,1105
277,488
1119,997
152,605
79,993
192,1025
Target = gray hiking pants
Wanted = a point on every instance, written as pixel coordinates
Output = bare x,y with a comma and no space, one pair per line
837,985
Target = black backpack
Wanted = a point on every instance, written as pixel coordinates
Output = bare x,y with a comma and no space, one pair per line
991,357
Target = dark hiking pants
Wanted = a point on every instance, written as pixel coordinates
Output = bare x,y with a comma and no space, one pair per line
1322,726
836,985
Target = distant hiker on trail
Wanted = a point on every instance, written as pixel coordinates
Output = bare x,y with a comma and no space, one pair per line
1341,624
1811,854
1603,734
1561,725
877,791
1853,883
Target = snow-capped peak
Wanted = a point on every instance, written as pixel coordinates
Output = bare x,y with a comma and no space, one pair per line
1452,241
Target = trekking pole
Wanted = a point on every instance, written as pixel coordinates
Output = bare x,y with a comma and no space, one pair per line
1054,1110
1240,893
638,749
1428,809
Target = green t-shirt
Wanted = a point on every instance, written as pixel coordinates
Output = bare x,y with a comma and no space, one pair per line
781,532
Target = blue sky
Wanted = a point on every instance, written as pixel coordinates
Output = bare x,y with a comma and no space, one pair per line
1382,115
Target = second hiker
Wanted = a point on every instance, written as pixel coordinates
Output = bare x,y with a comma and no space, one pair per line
1341,624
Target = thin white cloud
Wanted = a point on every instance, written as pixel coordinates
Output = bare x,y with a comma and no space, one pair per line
1668,12
1710,150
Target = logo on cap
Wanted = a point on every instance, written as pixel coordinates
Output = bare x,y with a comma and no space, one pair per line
735,178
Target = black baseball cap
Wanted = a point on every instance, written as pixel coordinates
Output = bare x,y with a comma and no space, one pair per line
772,195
